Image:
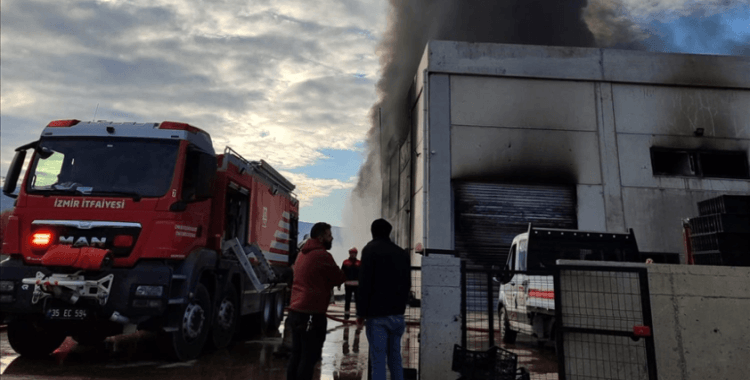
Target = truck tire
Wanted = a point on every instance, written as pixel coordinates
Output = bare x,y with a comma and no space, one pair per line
34,339
187,342
225,319
508,335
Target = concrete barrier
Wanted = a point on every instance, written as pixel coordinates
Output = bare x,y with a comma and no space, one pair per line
701,320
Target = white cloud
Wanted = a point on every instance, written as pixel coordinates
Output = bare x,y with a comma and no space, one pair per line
310,188
278,80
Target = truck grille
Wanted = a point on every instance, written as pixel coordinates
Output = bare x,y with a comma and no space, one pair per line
96,234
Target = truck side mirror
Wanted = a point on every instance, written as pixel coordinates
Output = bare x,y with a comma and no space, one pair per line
11,180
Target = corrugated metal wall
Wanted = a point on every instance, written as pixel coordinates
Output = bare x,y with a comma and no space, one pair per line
489,215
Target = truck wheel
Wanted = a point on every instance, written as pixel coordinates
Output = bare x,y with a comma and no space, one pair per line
187,342
34,339
508,335
225,319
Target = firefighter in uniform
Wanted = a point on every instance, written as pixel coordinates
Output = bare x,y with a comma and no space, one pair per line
351,270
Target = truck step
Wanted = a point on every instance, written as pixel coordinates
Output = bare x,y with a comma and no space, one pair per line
176,301
265,268
179,277
235,246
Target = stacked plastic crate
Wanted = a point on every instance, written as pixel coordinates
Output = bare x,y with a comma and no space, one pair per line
721,234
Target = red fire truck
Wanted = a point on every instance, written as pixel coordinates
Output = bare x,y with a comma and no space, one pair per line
125,226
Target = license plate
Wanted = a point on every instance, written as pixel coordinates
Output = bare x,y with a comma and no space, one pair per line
66,313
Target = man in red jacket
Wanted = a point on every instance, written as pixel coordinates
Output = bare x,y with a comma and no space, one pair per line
315,276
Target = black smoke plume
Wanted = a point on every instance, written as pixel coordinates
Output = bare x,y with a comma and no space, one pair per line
412,23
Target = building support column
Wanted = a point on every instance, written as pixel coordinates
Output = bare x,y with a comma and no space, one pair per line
441,274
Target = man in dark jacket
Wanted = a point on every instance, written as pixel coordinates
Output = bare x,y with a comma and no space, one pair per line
384,284
351,270
315,276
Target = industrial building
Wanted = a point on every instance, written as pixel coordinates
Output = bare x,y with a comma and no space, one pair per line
581,138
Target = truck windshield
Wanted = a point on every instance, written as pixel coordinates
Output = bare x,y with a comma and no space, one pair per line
104,166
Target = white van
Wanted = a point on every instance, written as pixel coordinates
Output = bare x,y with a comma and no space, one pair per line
527,293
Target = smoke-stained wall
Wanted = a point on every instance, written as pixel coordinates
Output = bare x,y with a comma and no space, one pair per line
587,118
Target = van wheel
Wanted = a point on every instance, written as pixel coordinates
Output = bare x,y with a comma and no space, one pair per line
508,335
225,319
187,342
34,339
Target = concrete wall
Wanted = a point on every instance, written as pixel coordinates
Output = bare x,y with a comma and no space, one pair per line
701,321
657,116
598,134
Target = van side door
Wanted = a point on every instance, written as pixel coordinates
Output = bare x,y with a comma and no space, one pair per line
522,286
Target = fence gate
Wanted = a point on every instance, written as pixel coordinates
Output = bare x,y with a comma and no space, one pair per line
604,323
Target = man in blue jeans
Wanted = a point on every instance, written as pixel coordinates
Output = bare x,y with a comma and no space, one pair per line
384,284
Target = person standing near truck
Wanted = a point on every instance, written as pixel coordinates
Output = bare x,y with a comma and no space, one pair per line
315,276
384,284
285,349
351,270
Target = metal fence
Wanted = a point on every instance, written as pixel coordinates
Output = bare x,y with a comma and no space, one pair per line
605,323
410,339
483,324
589,322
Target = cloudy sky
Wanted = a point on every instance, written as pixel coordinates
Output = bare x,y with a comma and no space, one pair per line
288,81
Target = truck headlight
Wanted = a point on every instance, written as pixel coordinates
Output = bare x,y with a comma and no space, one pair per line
7,286
149,291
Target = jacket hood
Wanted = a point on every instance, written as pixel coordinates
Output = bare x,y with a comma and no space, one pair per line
312,245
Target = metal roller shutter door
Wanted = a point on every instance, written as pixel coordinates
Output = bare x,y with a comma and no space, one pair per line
489,215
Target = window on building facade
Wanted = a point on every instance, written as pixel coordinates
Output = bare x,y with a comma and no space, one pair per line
698,163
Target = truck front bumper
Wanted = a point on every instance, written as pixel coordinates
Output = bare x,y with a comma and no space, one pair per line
30,291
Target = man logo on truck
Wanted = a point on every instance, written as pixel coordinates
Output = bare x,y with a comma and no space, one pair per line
83,242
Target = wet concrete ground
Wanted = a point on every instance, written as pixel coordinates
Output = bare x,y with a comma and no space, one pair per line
135,356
